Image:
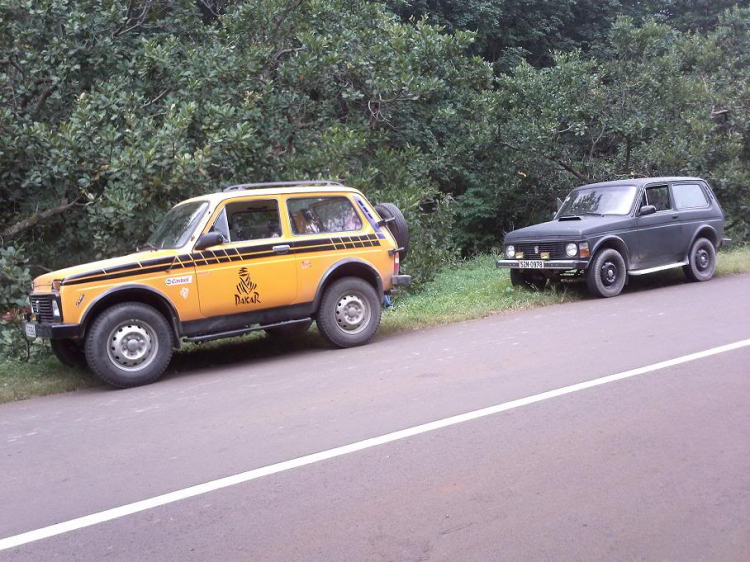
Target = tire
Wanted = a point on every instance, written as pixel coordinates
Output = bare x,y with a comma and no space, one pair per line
398,226
524,281
69,352
701,261
110,354
606,275
290,331
349,312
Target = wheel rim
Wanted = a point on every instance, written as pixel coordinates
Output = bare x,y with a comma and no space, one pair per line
702,259
609,274
132,345
353,313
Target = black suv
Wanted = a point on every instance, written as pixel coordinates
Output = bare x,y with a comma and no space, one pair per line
608,231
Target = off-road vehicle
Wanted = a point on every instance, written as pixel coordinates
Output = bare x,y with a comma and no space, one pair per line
269,257
612,230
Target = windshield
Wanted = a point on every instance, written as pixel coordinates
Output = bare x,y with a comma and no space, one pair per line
177,225
616,200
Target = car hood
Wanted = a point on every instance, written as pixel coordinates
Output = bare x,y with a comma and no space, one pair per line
43,283
568,228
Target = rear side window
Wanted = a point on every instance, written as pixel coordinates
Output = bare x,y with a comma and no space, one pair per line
310,215
689,196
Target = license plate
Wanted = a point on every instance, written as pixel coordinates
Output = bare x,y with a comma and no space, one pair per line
531,264
31,330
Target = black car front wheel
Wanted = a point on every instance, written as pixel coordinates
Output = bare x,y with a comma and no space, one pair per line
606,275
701,261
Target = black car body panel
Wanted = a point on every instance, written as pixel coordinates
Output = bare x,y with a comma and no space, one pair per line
646,241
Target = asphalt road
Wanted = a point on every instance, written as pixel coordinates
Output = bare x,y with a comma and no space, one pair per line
651,467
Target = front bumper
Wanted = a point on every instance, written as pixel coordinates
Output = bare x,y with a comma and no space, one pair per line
51,331
548,264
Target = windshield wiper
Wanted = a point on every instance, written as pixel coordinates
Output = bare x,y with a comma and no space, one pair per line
147,246
593,214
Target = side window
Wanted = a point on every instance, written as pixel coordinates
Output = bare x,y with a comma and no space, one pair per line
689,196
309,215
249,220
658,196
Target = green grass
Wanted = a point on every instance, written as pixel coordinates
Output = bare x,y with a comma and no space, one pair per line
471,289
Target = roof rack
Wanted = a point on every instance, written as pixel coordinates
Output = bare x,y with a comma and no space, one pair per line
280,184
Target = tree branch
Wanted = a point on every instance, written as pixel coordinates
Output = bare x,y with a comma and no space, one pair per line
157,98
36,217
42,100
564,165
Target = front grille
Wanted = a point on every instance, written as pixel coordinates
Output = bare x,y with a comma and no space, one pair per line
41,306
533,250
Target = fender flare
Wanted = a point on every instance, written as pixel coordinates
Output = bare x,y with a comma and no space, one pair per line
336,267
714,239
619,245
174,318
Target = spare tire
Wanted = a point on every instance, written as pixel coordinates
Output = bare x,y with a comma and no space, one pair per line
398,226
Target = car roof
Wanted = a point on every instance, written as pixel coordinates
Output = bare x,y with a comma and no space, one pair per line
237,191
639,182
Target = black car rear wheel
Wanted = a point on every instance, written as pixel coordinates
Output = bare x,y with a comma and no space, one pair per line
606,275
701,261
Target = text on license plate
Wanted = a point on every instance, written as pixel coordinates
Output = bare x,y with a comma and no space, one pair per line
31,330
531,264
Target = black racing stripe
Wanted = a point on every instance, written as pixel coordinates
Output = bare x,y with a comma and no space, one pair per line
259,248
141,271
305,243
316,249
126,267
87,274
157,261
209,257
259,255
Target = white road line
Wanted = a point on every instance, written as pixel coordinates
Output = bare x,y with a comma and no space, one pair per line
177,495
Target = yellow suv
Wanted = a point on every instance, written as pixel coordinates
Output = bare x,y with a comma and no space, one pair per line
269,257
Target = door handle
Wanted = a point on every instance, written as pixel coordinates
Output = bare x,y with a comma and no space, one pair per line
282,248
675,217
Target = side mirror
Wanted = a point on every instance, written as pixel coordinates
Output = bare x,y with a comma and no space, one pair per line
647,210
209,239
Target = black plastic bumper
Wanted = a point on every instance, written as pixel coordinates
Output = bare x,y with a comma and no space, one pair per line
401,280
53,331
548,264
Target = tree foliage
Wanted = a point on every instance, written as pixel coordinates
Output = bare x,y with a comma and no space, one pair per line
471,116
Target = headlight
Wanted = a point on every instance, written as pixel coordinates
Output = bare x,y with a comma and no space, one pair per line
571,249
55,309
510,252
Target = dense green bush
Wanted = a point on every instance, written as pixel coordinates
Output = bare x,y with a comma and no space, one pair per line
112,111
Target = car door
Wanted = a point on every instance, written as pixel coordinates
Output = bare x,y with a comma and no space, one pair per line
327,228
253,270
691,202
659,234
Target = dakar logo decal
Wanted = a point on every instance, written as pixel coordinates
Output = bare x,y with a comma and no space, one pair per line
246,293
